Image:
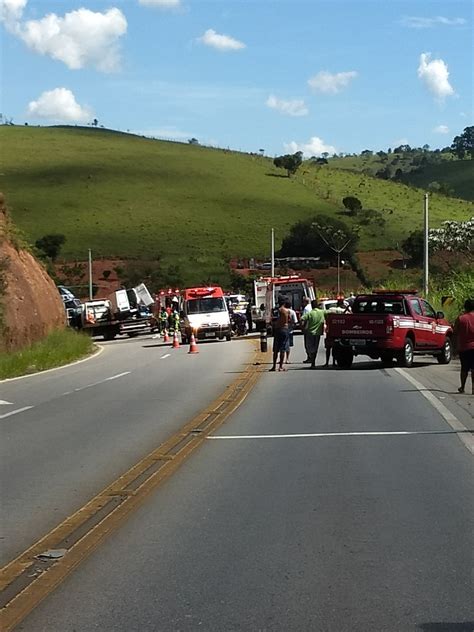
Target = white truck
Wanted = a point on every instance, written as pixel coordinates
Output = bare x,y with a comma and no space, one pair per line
267,290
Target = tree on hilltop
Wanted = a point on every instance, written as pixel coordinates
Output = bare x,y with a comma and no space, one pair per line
464,143
290,162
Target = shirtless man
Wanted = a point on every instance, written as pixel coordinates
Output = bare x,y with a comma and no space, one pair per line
280,334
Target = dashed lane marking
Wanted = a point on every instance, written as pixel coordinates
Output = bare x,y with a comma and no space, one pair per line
4,403
15,412
107,379
305,435
167,355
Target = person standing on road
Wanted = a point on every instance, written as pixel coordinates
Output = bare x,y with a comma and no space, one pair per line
306,309
248,315
464,340
292,322
339,308
280,334
313,325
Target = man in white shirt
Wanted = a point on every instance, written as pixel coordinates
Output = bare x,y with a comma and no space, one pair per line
306,308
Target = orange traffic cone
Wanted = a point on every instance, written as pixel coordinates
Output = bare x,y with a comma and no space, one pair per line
193,348
166,338
175,344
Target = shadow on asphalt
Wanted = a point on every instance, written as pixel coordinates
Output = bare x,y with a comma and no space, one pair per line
430,390
447,626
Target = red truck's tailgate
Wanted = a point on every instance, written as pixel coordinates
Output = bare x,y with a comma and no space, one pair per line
359,325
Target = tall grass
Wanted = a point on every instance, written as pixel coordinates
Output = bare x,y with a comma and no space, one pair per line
56,349
456,285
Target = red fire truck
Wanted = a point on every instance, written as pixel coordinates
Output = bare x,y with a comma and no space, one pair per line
390,325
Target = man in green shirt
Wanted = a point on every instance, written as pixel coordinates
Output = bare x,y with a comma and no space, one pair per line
313,326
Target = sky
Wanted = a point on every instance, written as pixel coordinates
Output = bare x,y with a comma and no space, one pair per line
279,75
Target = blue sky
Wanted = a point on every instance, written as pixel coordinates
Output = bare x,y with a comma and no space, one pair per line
312,75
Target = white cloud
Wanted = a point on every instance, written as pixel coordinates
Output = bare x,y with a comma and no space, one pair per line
220,42
414,22
294,107
11,11
435,76
161,4
60,105
314,147
80,38
329,83
441,129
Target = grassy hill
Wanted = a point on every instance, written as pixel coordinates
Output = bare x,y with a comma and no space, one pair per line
195,207
440,167
459,175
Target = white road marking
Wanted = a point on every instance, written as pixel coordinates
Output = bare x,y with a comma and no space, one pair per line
167,355
114,377
4,403
107,379
15,412
304,435
453,421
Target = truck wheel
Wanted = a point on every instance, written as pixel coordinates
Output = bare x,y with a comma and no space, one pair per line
387,359
228,337
446,353
406,356
344,358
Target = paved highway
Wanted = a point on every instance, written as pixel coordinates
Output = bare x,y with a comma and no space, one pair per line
68,433
322,532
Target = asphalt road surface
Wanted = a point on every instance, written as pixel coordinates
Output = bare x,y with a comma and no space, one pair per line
333,532
86,424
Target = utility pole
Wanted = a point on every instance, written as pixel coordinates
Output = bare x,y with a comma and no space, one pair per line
273,252
337,251
90,275
426,248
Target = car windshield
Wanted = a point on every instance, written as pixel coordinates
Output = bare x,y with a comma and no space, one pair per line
378,306
205,305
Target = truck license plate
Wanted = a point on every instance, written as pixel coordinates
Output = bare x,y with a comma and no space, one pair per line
209,334
357,342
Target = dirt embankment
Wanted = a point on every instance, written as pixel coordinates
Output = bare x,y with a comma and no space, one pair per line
30,305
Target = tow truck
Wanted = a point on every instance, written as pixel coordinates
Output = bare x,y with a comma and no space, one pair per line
390,325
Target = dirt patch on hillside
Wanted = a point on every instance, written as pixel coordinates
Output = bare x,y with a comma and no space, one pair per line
30,305
75,276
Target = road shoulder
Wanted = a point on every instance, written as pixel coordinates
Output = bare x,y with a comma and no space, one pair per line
439,384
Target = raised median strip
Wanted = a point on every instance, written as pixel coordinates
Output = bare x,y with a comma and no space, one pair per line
29,578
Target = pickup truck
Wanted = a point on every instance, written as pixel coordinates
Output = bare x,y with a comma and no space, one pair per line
390,325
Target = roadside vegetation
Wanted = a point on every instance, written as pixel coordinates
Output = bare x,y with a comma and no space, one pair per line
57,349
186,208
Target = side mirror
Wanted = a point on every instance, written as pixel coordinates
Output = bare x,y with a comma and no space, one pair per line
439,315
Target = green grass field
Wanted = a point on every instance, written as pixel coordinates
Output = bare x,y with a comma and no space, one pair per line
458,174
195,207
56,349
